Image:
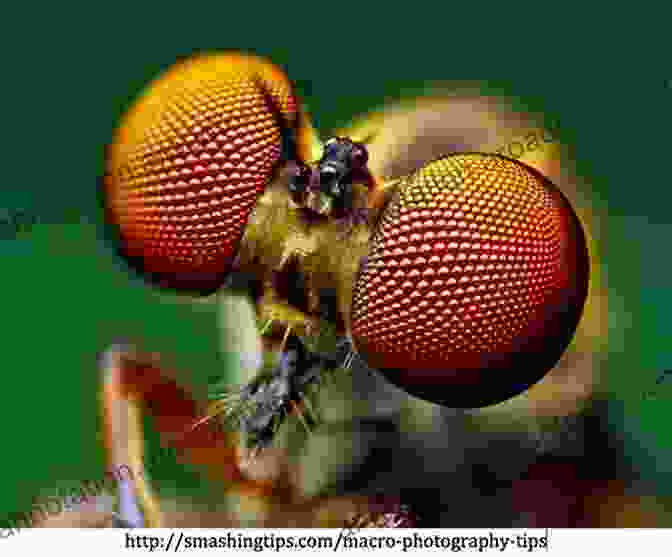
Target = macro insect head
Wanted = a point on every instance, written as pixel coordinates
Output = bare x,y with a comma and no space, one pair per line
462,282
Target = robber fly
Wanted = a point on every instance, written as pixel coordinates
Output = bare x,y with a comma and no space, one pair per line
227,185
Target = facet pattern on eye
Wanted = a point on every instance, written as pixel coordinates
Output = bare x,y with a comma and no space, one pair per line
209,145
464,263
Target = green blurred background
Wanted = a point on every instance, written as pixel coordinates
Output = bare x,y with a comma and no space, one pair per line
70,72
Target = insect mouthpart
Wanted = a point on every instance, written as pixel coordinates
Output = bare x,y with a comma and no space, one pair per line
326,187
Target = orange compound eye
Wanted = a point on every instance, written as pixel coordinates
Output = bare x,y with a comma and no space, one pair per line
189,162
474,284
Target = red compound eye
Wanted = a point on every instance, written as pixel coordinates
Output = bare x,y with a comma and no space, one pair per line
189,162
475,282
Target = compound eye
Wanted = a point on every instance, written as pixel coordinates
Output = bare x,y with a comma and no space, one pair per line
475,291
189,162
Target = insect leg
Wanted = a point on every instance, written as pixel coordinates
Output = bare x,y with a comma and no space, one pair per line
134,383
